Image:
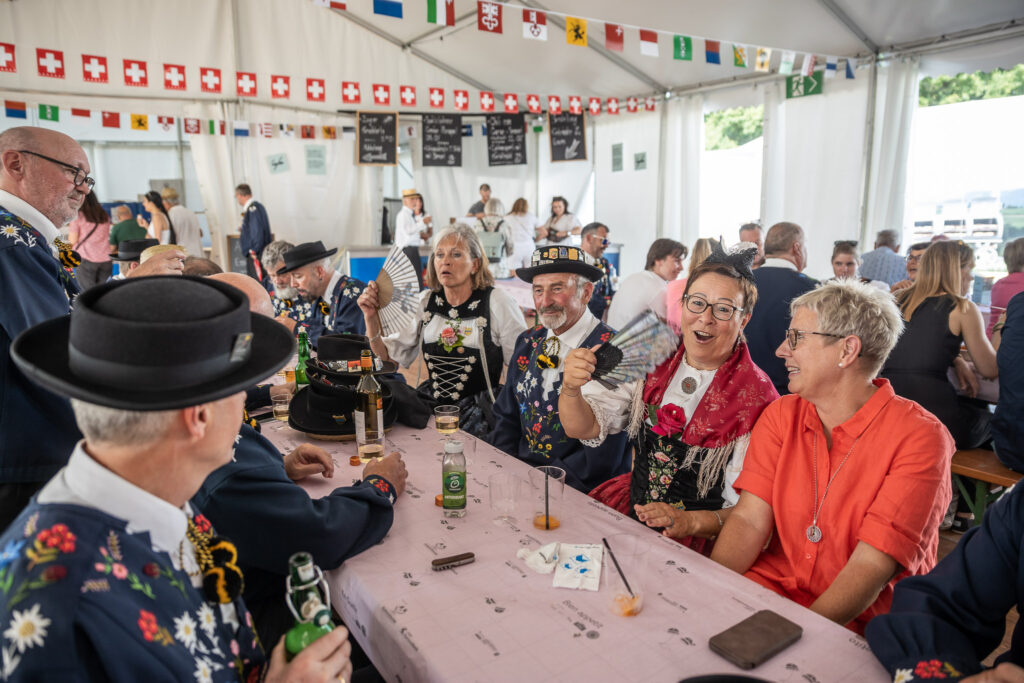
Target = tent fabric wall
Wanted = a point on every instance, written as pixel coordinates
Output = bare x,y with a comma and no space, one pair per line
682,149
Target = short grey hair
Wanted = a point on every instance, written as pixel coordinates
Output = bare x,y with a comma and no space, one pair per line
100,424
494,207
123,211
850,307
273,253
888,238
580,283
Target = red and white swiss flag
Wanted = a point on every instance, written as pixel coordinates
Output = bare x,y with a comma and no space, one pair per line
245,82
575,104
135,74
407,95
533,104
511,103
174,77
613,105
94,69
111,119
209,79
7,61
594,105
381,94
649,104
462,100
437,98
165,122
280,87
316,90
554,104
350,92
191,126
486,100
631,104
50,62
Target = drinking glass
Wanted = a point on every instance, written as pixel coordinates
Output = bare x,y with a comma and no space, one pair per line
630,553
281,404
548,485
506,492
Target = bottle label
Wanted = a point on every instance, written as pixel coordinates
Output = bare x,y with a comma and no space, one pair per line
454,494
360,420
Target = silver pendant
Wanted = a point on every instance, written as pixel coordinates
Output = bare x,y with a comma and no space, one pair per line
689,385
813,533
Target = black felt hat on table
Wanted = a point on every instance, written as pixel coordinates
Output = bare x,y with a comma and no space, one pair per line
560,259
131,250
154,343
304,254
324,408
339,356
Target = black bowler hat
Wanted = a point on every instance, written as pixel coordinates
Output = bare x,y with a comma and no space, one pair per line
131,250
339,357
323,409
154,343
303,254
559,259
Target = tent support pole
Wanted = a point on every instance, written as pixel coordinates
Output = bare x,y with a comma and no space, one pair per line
849,23
662,131
869,148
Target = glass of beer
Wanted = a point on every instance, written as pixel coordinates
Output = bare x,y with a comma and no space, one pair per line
281,407
370,450
446,420
548,484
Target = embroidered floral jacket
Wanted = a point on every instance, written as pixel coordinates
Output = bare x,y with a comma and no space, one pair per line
340,313
604,288
83,599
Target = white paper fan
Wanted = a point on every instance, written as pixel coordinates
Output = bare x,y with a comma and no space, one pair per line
398,290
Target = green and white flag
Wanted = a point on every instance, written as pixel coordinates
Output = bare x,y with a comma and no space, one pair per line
683,48
441,12
49,112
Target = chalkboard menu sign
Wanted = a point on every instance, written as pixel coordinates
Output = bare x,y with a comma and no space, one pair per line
506,140
442,140
568,137
376,138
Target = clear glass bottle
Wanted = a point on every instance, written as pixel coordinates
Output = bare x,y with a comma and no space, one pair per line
453,476
369,412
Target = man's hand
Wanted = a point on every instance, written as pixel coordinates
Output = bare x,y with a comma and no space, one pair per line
367,301
286,389
307,460
170,262
1004,673
965,376
326,659
391,468
578,365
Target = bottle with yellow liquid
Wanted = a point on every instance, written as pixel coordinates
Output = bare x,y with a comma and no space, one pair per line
369,412
309,600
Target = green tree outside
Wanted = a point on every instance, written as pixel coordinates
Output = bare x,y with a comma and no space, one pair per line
981,85
729,128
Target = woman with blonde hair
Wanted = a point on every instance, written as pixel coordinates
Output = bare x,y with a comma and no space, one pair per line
939,319
674,290
465,327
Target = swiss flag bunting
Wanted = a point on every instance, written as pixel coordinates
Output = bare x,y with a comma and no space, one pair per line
192,126
381,94
594,105
246,83
407,95
135,74
461,100
7,61
437,98
280,87
554,104
209,79
533,104
350,92
486,101
111,119
575,105
94,69
307,132
631,104
50,63
649,104
511,103
613,105
174,77
488,16
315,89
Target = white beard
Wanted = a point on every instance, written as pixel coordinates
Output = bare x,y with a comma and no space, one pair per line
286,293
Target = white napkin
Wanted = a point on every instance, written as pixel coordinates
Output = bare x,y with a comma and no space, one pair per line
578,566
542,560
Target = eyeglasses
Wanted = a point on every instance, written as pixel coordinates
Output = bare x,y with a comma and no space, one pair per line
914,257
794,336
720,311
80,176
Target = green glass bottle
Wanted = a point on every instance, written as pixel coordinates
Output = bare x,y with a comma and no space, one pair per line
311,609
300,366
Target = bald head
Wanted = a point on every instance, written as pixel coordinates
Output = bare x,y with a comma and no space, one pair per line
47,186
259,300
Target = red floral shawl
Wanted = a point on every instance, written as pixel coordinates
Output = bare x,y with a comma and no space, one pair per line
738,393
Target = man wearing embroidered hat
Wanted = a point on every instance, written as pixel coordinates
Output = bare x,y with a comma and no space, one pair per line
44,177
527,423
186,225
332,294
119,581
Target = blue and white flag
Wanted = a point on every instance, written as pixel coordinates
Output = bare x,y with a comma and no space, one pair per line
240,129
389,8
849,67
830,66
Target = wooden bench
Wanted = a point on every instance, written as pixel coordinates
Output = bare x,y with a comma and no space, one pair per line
984,468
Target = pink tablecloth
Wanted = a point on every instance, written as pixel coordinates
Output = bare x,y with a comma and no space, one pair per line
496,620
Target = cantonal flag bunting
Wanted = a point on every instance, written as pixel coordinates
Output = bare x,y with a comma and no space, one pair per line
389,8
786,65
218,127
648,42
333,4
441,12
831,63
488,16
682,47
287,130
84,113
764,59
192,126
576,31
15,110
807,68
307,132
111,119
139,121
165,122
240,129
849,67
330,132
535,24
348,132
739,56
49,112
614,37
265,129
711,52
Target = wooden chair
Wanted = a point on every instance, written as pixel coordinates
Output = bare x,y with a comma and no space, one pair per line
984,468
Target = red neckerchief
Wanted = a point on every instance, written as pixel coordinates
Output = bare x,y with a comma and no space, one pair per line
738,393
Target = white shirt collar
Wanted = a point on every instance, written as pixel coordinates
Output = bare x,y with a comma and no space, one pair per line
329,292
778,263
22,209
579,331
248,203
83,481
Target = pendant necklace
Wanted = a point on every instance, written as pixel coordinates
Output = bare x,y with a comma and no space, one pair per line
690,383
814,531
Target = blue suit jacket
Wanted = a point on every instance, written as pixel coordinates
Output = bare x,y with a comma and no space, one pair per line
1008,422
255,229
776,287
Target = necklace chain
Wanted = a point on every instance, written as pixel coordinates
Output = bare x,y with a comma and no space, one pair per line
816,507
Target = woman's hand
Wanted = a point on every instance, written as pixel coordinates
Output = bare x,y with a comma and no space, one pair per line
368,301
678,523
577,368
141,220
325,659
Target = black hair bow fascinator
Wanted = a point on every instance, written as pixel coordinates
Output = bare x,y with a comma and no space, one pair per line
740,257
